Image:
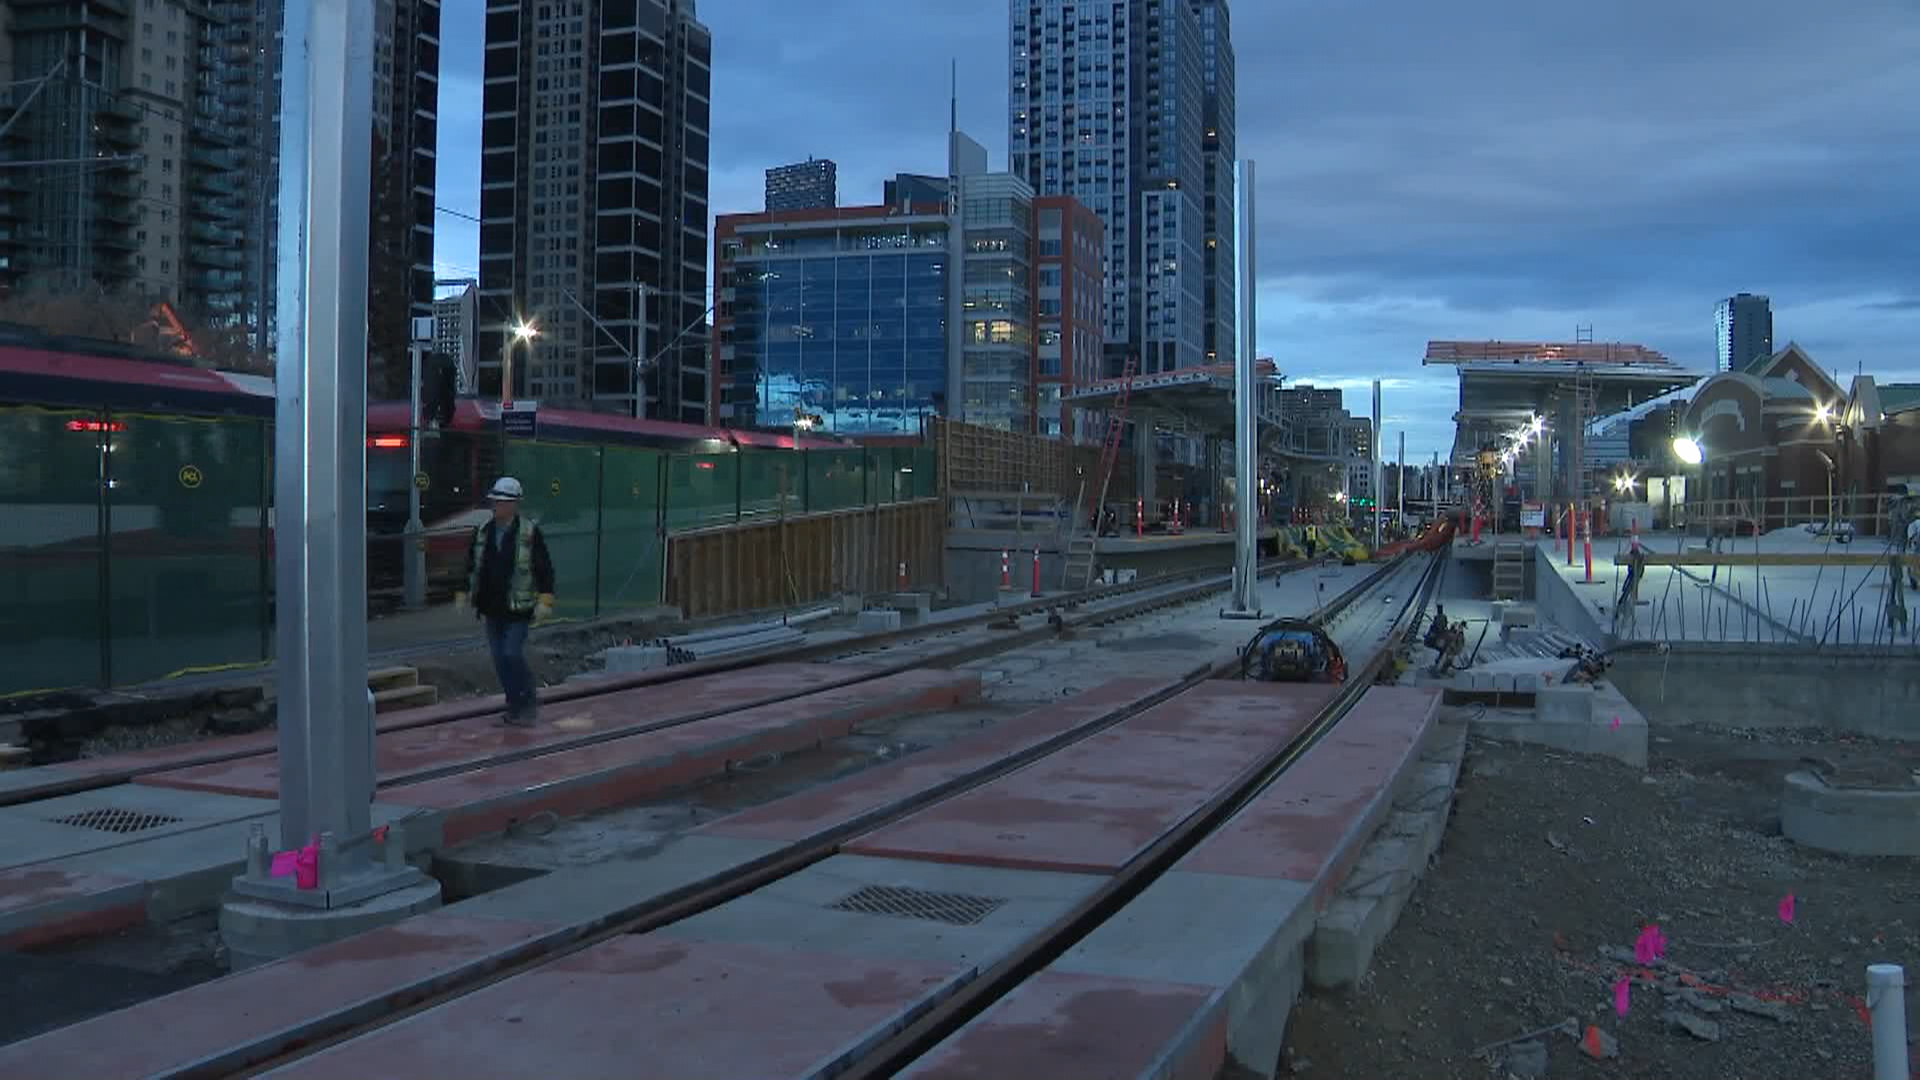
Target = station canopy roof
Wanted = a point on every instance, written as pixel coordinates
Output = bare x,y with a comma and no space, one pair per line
1199,401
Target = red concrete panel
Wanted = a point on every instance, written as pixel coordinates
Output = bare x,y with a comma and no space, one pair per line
815,810
1065,1026
1311,824
42,904
1094,805
268,1007
640,766
401,754
645,1007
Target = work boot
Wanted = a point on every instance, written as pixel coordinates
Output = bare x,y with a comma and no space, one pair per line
525,715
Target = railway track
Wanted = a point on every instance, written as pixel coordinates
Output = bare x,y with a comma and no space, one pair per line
1370,619
935,645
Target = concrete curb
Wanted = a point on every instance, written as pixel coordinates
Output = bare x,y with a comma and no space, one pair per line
1374,892
1849,821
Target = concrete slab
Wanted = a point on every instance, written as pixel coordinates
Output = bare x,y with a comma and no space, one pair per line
1084,1027
112,818
655,1007
418,753
966,917
873,791
1240,937
222,1026
1094,805
603,893
1309,825
47,903
638,766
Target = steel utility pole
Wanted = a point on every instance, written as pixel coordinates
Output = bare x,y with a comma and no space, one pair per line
320,528
414,557
320,474
1400,484
1374,453
1246,433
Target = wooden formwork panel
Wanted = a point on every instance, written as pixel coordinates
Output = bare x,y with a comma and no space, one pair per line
776,563
983,459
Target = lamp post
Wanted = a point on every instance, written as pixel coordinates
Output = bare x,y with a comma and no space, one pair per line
1692,453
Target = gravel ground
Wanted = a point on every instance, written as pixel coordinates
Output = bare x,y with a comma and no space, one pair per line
1554,864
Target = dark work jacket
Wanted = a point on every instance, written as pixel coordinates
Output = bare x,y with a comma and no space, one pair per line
495,581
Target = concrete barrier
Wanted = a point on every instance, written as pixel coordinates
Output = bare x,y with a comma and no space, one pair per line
1559,604
1850,821
1852,691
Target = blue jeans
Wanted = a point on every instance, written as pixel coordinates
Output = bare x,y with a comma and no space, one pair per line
507,641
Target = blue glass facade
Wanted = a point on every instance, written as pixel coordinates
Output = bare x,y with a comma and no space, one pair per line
849,326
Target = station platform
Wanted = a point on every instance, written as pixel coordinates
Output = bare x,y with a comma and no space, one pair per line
1198,537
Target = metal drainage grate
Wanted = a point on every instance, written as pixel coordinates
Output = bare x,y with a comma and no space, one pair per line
115,820
957,909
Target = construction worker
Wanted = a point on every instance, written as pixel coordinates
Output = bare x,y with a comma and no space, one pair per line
510,582
1913,548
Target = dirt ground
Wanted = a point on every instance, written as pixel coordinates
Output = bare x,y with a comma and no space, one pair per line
1552,866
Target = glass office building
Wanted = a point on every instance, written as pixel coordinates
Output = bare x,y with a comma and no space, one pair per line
834,314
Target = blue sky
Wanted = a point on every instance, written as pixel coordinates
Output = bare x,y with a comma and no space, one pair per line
1484,169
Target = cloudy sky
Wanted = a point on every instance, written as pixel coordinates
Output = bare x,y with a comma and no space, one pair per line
1479,169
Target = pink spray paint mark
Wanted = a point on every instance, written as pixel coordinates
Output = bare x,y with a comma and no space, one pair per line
1621,996
1615,725
306,867
283,863
1786,909
1651,945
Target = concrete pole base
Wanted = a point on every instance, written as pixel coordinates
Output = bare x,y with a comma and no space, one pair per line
257,931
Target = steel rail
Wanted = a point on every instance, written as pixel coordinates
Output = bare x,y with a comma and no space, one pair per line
656,912
972,999
577,691
944,658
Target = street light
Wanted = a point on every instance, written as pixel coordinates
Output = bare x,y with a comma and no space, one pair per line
1688,450
522,331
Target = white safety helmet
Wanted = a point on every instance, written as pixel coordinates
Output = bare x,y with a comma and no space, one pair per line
505,489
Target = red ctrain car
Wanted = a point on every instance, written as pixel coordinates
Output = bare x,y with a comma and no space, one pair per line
107,404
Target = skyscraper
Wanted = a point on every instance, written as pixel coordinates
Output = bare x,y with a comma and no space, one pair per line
159,124
593,203
1743,330
1110,104
812,184
1218,150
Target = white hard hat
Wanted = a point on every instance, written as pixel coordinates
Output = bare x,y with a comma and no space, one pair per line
505,489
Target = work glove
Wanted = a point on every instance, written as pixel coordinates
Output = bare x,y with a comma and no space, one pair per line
543,609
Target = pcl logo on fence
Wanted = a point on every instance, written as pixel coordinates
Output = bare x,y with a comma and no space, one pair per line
190,477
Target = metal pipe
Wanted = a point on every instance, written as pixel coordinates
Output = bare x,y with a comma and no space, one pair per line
1245,433
414,557
1887,1004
